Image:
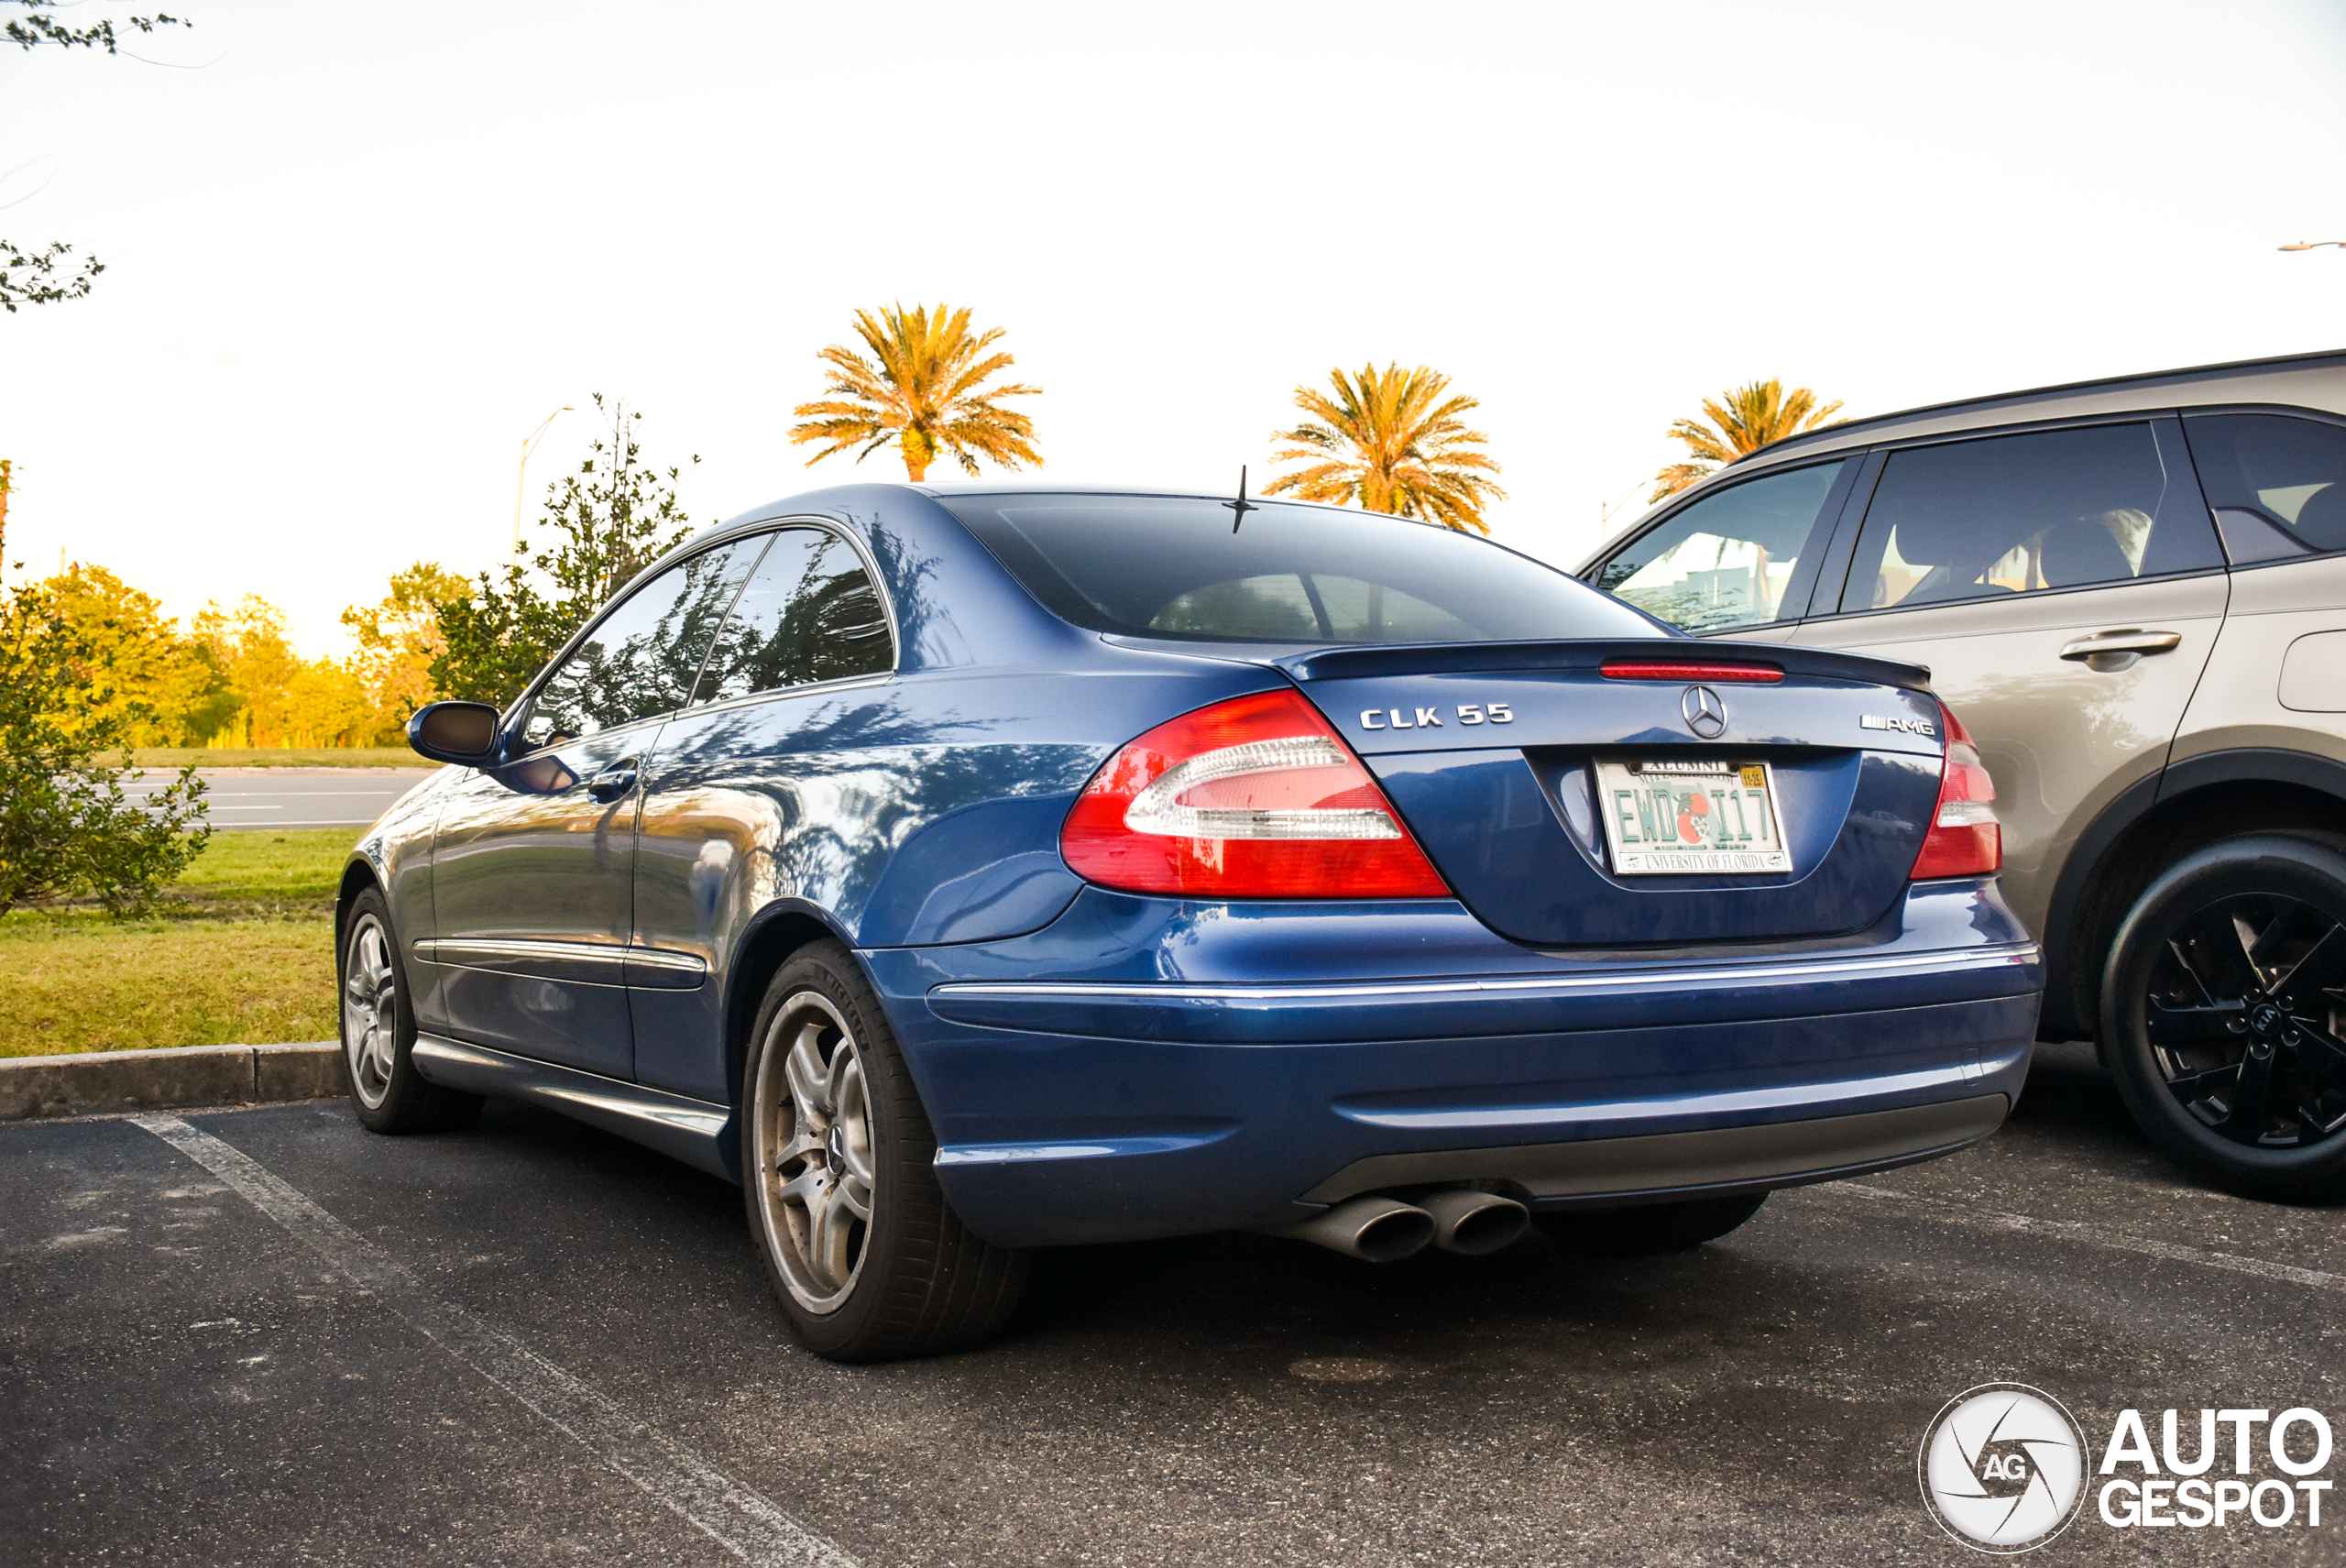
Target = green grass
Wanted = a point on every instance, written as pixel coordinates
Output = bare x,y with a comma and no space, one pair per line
265,757
291,873
239,951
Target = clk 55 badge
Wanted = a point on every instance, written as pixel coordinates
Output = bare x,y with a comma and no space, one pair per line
1431,718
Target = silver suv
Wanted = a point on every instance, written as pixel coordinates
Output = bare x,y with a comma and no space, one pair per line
2132,593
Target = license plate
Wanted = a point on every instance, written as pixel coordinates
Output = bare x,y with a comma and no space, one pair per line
1682,818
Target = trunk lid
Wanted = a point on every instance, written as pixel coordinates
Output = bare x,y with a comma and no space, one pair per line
1509,809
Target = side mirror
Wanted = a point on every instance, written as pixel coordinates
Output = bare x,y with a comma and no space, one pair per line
460,733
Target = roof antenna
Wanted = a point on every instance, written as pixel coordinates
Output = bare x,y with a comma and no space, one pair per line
1242,506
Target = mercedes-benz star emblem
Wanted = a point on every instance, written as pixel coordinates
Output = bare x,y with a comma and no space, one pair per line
1705,714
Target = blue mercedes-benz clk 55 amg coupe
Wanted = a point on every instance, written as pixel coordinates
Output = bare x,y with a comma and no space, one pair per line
966,870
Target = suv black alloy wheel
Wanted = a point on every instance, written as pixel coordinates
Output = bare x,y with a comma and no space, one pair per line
2224,1013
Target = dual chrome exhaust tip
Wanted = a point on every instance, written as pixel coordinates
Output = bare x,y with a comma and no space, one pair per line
1387,1230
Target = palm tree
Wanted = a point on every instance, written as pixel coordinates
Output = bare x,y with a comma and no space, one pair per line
1390,440
923,387
1742,420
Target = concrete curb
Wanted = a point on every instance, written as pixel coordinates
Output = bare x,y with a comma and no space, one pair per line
179,1075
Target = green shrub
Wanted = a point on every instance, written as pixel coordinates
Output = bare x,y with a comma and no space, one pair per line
65,829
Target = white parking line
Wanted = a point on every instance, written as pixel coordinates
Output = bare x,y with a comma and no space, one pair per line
736,1517
2078,1230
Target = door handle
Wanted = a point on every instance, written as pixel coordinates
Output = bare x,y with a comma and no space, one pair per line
2111,651
612,783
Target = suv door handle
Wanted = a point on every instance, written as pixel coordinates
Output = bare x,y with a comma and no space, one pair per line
613,781
2112,651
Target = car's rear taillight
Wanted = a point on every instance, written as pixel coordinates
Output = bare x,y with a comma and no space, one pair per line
1964,839
1256,797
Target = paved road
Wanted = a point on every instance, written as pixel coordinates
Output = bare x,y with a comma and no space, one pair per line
294,797
533,1343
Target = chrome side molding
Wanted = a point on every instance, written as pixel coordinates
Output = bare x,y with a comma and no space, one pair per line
588,963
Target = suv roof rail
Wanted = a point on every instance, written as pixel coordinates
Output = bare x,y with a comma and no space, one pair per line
2195,372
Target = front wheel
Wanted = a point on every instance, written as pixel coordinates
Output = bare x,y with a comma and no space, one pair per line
2223,1014
379,1032
1649,1228
839,1168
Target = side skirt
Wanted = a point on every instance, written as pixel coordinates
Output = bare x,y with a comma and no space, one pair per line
694,1131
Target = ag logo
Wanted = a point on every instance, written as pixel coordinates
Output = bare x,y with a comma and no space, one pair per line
2002,1467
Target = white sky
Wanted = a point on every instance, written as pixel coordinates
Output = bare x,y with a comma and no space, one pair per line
357,255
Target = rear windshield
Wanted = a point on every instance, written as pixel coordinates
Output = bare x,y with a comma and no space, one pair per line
1170,566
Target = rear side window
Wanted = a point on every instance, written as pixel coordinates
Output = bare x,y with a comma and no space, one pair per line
2278,485
640,658
1725,560
1171,567
2016,514
809,613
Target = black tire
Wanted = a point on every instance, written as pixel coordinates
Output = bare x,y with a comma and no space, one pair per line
387,1095
1649,1228
905,1278
2220,1020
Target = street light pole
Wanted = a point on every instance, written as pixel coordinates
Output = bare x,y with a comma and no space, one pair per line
1605,510
521,479
2314,244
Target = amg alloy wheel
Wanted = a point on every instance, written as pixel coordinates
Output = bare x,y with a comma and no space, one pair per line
370,995
839,1166
814,1133
387,1095
2224,1013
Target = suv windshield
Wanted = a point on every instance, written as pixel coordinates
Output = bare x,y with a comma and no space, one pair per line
1171,566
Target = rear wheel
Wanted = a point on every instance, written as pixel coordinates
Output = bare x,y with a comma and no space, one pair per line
839,1174
1649,1228
2224,1015
387,1093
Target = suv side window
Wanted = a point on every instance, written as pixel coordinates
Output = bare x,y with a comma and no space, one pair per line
642,655
2278,485
809,613
2014,514
1725,560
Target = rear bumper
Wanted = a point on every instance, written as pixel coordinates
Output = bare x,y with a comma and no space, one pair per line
1658,1167
1082,1109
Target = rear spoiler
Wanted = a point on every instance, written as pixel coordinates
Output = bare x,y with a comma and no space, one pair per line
1476,658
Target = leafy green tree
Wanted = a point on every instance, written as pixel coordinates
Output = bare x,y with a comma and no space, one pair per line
282,700
1390,440
161,688
39,28
612,518
397,641
1739,420
65,829
923,387
42,276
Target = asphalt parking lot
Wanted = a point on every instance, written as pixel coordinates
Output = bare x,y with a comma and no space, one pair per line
532,1342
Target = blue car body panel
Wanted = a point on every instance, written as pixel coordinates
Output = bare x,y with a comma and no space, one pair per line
1101,1065
1078,1075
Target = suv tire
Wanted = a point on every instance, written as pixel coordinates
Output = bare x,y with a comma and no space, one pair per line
2217,1019
840,1173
